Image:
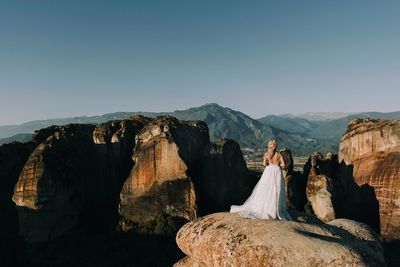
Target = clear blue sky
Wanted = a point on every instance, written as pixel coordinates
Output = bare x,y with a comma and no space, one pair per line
68,58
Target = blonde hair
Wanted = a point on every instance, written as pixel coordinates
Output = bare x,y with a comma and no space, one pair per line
271,141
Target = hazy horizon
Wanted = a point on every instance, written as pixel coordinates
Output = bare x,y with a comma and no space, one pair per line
74,58
150,111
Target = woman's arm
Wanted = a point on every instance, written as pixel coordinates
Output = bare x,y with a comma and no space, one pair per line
282,162
265,160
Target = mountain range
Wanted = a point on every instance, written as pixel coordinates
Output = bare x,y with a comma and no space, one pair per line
304,133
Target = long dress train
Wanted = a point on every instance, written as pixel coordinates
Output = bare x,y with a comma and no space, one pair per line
268,198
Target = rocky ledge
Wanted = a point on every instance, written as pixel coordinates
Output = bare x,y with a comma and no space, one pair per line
226,239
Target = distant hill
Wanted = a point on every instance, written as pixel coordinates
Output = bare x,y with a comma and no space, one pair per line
323,116
322,127
289,124
302,135
225,122
18,138
335,128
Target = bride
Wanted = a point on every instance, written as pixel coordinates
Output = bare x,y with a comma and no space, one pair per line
268,199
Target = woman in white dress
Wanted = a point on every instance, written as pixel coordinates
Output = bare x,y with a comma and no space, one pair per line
268,199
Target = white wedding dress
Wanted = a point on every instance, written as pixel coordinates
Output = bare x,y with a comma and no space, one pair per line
268,198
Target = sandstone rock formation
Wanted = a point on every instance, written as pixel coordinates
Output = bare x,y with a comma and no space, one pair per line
114,142
167,157
296,190
50,185
320,192
369,153
82,178
328,165
73,177
12,159
179,173
295,183
287,155
77,175
224,178
226,239
333,193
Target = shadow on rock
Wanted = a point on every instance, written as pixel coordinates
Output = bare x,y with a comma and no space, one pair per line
356,202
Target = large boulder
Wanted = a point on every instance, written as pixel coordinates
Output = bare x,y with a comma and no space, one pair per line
369,154
167,157
226,239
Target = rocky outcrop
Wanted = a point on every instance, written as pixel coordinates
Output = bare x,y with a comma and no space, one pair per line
12,159
77,176
327,165
167,157
49,188
226,239
296,190
295,183
370,158
287,156
178,173
320,192
159,172
114,142
73,177
224,178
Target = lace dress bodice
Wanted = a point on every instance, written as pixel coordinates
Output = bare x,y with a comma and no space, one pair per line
275,160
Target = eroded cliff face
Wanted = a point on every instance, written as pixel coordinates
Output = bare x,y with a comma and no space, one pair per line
113,145
49,188
167,158
73,177
369,151
128,171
